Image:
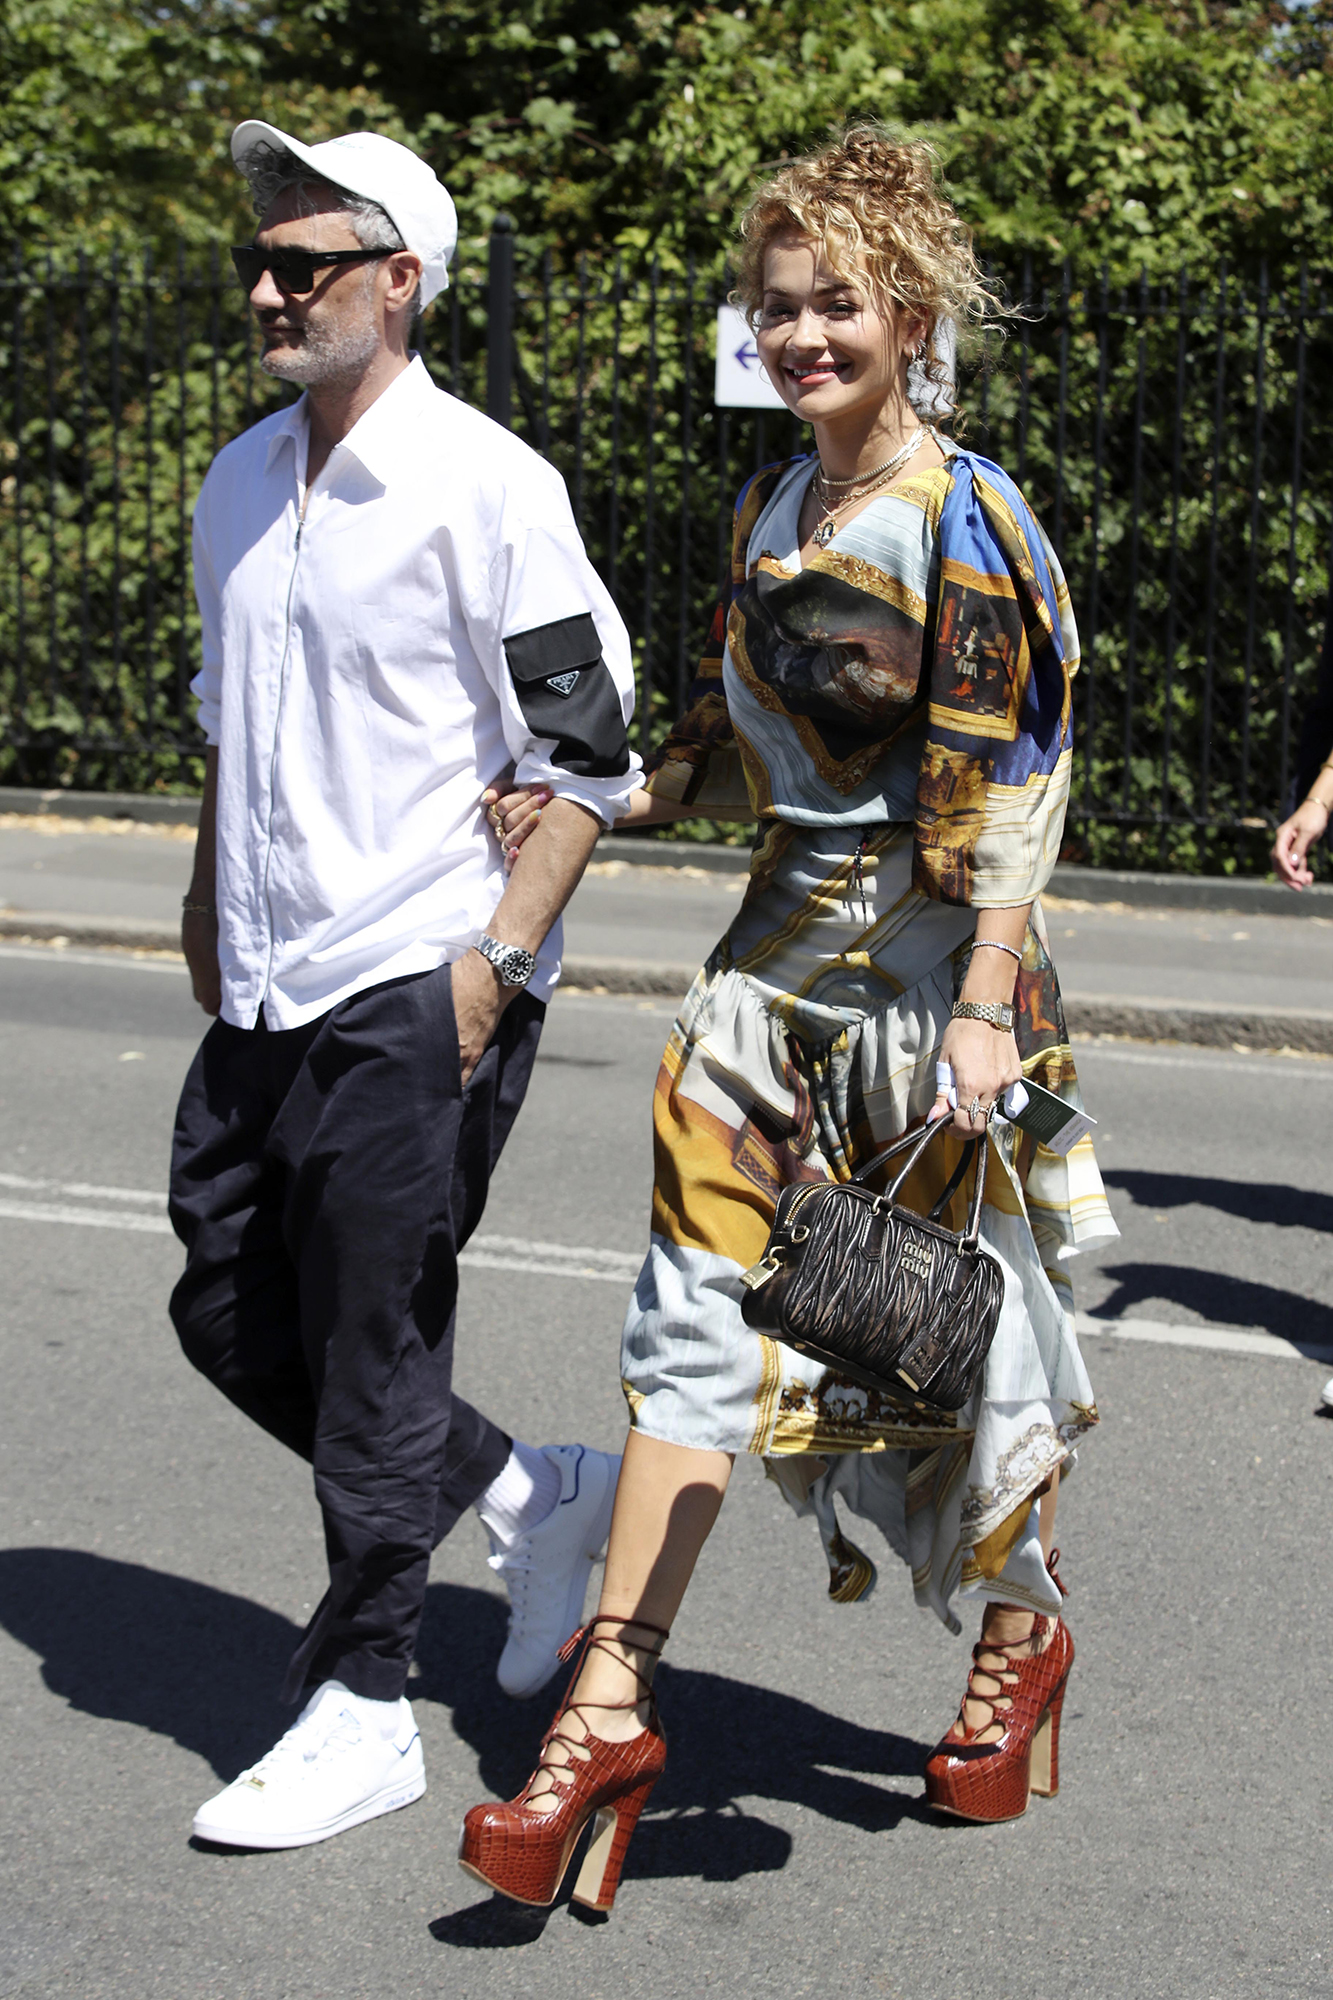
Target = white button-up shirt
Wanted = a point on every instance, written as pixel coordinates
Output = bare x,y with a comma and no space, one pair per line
369,670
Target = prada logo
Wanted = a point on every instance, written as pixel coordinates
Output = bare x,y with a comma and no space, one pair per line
564,684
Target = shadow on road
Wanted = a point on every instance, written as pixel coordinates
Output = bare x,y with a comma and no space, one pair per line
1226,1301
1283,1207
203,1666
163,1652
731,1741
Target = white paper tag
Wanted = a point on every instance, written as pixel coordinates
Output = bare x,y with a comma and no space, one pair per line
1054,1124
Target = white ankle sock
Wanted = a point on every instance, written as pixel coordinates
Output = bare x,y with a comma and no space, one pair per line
380,1715
521,1496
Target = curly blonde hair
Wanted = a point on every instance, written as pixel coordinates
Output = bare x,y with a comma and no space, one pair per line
877,205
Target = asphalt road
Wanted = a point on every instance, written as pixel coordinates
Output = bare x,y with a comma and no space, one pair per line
157,1556
666,917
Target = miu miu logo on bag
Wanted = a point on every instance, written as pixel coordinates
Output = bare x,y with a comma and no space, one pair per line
915,1257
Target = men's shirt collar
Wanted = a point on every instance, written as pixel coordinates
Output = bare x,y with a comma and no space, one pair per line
294,426
380,438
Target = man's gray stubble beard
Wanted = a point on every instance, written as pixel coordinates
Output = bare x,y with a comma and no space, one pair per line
327,353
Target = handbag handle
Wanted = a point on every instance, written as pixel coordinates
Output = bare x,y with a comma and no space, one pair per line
918,1141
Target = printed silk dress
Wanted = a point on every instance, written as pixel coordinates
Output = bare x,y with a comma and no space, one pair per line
896,713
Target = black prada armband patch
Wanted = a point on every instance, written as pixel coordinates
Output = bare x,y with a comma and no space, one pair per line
566,692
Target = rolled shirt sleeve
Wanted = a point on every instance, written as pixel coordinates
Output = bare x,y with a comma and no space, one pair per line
558,656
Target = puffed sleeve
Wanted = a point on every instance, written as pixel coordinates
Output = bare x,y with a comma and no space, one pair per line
699,763
995,771
560,662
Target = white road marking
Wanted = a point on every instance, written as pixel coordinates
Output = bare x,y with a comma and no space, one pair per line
1298,1068
1219,1339
89,1190
88,1218
478,1258
525,1256
111,955
557,1260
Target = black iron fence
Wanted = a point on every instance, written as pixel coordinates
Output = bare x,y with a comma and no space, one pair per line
1175,441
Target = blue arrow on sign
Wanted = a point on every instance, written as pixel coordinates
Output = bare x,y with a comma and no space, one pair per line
747,354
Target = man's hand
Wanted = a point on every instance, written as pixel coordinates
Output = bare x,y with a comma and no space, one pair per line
199,942
479,1001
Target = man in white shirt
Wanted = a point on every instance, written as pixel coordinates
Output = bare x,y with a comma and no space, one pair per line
396,609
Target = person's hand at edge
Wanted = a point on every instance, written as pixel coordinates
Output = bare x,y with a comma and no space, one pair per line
1295,837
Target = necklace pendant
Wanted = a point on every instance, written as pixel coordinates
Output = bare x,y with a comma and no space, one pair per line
824,533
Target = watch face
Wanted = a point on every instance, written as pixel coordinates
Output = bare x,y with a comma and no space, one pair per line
517,966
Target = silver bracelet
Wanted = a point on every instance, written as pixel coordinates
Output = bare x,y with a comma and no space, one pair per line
980,944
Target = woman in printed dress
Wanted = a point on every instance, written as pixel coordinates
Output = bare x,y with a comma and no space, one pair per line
887,690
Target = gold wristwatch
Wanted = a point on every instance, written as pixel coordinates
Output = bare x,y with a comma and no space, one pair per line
998,1013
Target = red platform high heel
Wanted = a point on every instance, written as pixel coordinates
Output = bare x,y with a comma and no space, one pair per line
993,1781
524,1854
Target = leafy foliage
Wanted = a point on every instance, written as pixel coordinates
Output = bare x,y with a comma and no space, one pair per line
1156,428
1137,132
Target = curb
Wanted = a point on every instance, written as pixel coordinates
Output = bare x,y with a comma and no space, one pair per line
1198,1024
164,810
1078,884
1242,897
1201,1025
124,933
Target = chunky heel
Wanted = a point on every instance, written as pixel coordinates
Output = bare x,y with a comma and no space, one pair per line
599,1877
993,1781
1044,1778
524,1853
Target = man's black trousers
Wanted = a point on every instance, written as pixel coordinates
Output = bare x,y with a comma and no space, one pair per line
323,1181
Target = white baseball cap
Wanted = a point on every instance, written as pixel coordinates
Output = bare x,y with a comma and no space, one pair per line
366,163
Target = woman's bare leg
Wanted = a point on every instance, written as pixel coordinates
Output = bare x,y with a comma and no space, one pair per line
666,1503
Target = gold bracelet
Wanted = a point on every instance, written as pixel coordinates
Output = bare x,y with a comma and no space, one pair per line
1311,800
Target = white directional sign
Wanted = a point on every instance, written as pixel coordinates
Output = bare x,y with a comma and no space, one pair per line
739,383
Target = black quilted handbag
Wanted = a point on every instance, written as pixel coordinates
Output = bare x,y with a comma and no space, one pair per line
890,1298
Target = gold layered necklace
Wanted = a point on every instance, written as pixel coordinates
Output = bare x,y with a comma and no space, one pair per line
859,487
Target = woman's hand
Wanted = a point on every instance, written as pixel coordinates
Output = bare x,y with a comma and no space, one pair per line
514,812
985,1063
1295,837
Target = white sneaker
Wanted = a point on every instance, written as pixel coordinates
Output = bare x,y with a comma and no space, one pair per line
546,1571
333,1769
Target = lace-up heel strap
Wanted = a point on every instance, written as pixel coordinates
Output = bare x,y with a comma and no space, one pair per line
1054,1574
578,1641
1010,1649
588,1639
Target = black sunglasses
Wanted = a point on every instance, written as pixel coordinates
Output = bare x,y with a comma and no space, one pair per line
293,270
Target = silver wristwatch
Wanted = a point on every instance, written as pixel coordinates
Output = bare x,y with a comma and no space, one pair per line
514,965
998,1012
